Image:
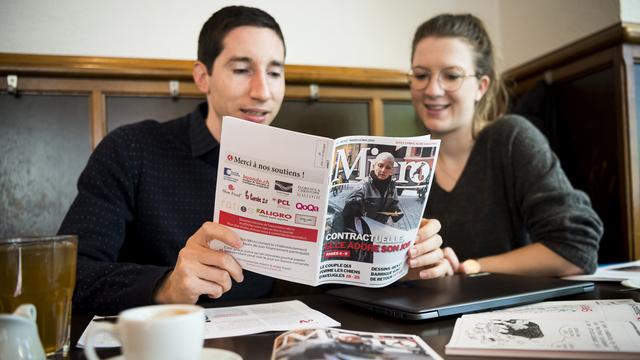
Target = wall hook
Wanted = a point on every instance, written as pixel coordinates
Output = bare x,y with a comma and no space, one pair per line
174,88
12,84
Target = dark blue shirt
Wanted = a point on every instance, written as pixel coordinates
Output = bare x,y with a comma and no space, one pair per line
146,189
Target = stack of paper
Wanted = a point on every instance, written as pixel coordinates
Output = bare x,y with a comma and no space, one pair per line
597,329
614,272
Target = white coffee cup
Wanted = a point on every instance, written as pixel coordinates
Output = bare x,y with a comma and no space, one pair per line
158,332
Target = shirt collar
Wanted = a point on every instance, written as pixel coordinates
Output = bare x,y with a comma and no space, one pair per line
201,139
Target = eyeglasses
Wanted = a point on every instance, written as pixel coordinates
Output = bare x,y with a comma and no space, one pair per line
449,79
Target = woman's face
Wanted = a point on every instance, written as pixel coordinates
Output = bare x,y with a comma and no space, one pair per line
441,111
383,169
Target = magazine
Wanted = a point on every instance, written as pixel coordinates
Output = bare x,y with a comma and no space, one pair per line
600,329
314,344
314,210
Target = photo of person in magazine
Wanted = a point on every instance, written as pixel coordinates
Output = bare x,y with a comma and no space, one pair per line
376,199
369,204
344,344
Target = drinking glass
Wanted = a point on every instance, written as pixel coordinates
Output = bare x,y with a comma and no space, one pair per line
41,271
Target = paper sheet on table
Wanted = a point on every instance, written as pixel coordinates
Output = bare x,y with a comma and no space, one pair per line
614,272
244,320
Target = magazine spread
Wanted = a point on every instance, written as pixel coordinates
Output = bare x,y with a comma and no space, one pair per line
314,210
345,344
556,329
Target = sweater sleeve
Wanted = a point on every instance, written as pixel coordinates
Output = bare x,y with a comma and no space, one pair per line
99,215
556,214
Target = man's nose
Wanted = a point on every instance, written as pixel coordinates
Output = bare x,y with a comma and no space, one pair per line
259,87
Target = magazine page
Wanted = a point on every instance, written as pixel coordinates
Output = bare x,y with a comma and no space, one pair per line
608,310
379,189
344,344
271,190
503,336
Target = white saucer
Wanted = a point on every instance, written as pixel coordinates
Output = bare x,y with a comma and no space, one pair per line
207,354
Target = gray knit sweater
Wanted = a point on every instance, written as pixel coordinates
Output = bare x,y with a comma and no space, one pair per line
511,193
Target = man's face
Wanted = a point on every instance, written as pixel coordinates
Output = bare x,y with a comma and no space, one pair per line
247,79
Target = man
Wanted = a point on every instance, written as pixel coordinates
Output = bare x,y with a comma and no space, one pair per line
145,198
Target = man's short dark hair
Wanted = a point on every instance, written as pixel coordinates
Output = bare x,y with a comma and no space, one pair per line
222,22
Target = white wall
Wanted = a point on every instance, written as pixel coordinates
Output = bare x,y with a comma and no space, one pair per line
359,33
630,10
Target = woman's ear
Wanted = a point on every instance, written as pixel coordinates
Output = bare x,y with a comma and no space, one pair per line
201,77
483,86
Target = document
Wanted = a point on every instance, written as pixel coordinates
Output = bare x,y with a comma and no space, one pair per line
315,210
242,320
612,272
344,344
601,329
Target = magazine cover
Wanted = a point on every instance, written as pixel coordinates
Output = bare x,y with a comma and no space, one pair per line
315,210
311,344
378,194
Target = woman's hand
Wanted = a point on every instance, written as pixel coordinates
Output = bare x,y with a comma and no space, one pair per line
426,259
470,266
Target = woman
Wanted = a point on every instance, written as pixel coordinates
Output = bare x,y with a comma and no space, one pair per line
504,203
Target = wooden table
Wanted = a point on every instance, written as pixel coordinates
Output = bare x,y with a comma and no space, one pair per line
435,332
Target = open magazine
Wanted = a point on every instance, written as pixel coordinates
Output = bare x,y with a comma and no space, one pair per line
583,329
314,210
344,344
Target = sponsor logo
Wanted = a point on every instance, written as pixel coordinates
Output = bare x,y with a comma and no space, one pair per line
231,190
282,203
305,220
308,192
273,214
230,175
249,196
307,207
255,181
283,187
229,205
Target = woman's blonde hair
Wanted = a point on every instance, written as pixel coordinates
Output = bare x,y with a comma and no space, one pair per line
471,29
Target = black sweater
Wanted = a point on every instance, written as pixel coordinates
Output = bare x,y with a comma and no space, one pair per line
512,192
145,190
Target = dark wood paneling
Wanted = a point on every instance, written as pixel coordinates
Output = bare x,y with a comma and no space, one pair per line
122,110
590,119
328,119
400,119
44,142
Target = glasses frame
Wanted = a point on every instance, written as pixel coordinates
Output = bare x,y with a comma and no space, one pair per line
411,76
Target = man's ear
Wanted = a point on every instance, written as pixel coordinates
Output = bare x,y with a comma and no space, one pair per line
201,77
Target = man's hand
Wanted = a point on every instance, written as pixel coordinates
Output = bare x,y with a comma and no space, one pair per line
426,259
200,269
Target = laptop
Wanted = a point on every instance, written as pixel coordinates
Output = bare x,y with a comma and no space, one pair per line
458,294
